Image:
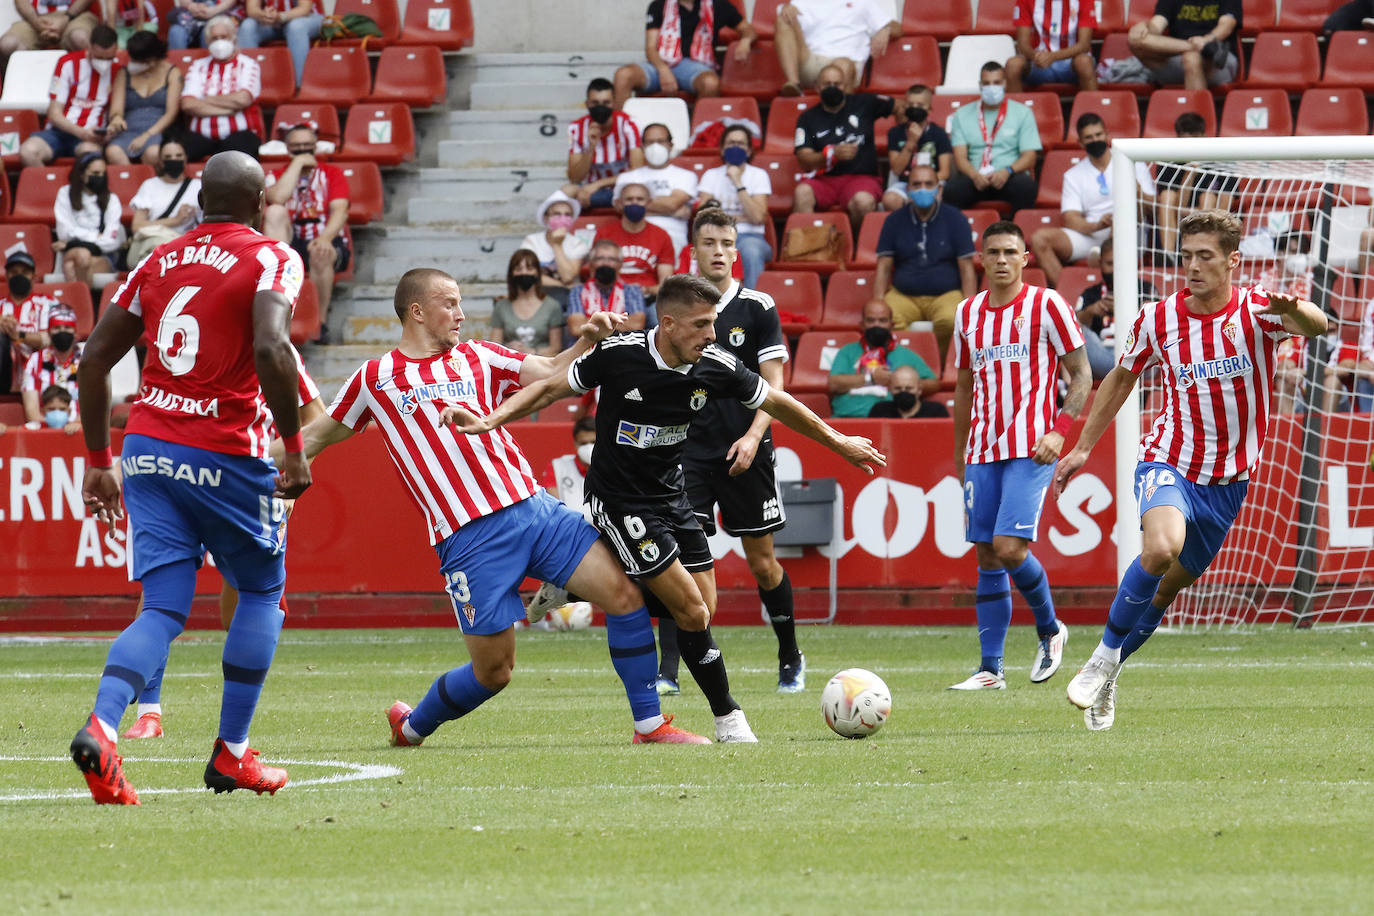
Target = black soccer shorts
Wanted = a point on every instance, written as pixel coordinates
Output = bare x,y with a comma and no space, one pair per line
749,503
648,537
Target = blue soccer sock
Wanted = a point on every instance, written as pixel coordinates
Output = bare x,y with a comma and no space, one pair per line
1131,603
141,649
630,638
151,694
248,651
1034,586
1144,628
452,695
993,603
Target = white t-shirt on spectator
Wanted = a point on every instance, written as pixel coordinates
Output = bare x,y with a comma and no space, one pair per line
661,183
575,248
155,194
1083,192
718,184
834,29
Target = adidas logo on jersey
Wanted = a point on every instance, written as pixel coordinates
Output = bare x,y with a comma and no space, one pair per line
633,395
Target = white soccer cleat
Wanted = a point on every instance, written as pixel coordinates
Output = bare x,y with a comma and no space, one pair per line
981,680
733,729
548,597
1100,716
1090,679
1049,655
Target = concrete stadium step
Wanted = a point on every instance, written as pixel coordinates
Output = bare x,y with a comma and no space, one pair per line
578,69
425,241
480,215
543,151
524,94
514,124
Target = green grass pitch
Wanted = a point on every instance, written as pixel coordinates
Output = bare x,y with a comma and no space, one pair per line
1239,777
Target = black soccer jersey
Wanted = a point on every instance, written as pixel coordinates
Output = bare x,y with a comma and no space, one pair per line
746,325
646,408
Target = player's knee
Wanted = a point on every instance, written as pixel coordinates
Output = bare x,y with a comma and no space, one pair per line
494,674
623,598
693,618
1156,556
765,569
1011,552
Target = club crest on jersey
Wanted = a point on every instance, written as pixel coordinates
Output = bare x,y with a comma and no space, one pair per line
1150,493
469,612
648,550
1227,367
736,337
1019,322
698,400
1230,331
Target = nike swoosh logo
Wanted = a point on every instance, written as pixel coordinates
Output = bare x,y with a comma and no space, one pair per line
1024,527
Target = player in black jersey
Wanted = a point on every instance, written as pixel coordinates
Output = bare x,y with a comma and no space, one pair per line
652,386
729,456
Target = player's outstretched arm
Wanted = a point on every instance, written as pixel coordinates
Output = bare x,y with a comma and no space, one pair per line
598,327
857,450
116,333
1111,394
1299,315
278,379
521,404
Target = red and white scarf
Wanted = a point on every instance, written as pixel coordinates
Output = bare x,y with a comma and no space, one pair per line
670,34
593,302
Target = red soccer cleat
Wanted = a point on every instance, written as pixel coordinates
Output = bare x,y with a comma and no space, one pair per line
397,714
225,772
668,733
149,725
95,756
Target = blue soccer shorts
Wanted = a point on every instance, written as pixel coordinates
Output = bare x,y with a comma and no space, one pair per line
485,561
1209,510
1004,498
183,501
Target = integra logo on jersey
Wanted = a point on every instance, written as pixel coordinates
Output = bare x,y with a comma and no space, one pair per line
1190,373
409,401
1017,352
736,337
642,435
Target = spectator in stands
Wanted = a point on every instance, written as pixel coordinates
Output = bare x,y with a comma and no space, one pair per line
1179,190
680,48
915,140
742,190
189,18
560,250
55,407
602,143
88,228
811,35
1191,43
605,291
55,364
128,17
78,97
144,102
23,318
861,371
647,251
221,96
527,320
46,25
835,141
1356,16
166,205
1085,202
1054,44
925,259
671,187
297,22
307,206
1096,310
565,475
995,147
906,402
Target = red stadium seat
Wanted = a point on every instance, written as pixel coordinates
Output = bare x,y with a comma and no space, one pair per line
305,320
759,75
818,402
995,17
978,220
866,247
445,24
1033,219
1257,16
1049,115
841,223
336,76
727,108
125,180
1057,162
1350,60
36,239
184,57
366,198
765,18
77,297
413,75
782,172
1118,109
1075,278
1286,59
594,224
278,74
380,131
698,162
1116,46
12,413
924,344
1167,104
1332,112
324,117
944,106
796,291
910,59
1111,17
1256,113
15,127
382,12
943,20
37,192
845,296
781,133
1304,15
815,352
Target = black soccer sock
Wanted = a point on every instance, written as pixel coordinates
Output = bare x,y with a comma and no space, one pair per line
668,654
704,660
777,601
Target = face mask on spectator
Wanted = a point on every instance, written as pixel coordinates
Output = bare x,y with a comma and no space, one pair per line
915,114
832,96
20,286
96,183
635,212
878,337
62,341
138,66
1095,148
605,275
584,452
56,418
524,282
222,49
101,66
735,155
600,113
922,197
560,221
992,94
904,400
656,154
173,168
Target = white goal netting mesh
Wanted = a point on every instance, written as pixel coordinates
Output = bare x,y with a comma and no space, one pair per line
1302,550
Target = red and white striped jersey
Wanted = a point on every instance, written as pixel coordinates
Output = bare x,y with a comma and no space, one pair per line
306,389
286,6
1013,352
1055,23
453,478
1218,382
83,93
46,368
210,77
619,136
308,205
44,7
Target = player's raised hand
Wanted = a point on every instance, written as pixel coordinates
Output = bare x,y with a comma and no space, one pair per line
294,478
1280,304
464,420
860,452
742,453
100,493
1068,466
1048,447
602,325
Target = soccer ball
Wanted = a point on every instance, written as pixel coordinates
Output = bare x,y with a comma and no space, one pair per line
855,703
575,615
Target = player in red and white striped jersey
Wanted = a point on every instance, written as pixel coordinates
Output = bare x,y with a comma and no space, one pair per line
1009,344
602,144
1053,44
221,96
1216,347
488,518
78,95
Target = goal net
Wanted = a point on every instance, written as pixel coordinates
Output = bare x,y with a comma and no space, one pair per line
1302,550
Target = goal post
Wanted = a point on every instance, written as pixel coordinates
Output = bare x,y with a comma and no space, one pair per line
1311,194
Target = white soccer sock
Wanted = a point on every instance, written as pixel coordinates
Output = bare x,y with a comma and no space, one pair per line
644,726
411,735
145,708
237,748
110,731
1108,654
